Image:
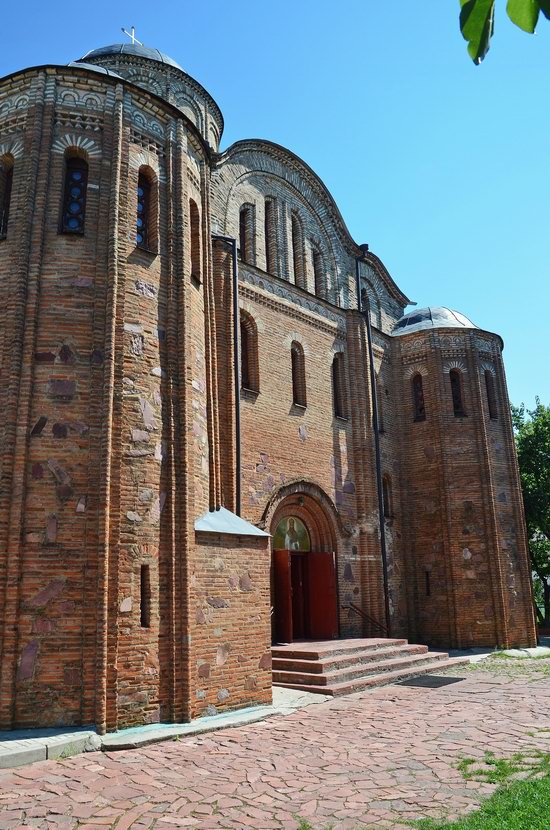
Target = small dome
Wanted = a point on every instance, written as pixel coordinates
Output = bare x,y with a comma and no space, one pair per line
433,317
93,67
135,49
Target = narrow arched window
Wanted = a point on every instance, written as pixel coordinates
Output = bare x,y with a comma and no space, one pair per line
270,236
491,396
245,356
73,214
246,233
339,386
418,397
250,375
370,304
6,182
143,211
456,392
147,210
387,497
365,305
298,251
318,273
380,404
195,230
298,374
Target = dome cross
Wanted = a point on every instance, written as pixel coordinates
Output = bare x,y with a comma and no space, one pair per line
132,35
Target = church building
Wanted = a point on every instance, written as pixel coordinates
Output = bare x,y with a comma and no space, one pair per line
219,429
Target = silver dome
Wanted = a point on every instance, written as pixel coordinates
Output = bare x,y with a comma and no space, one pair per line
94,67
134,49
432,317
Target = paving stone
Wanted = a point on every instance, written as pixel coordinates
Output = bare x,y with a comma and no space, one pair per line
374,760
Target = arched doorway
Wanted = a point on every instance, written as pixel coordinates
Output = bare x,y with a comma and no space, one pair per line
305,603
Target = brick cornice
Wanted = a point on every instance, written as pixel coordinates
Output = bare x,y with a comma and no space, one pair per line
293,162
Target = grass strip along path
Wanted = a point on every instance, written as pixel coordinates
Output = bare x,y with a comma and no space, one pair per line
523,805
517,805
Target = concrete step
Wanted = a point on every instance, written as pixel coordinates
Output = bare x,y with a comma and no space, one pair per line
344,660
331,648
383,678
351,673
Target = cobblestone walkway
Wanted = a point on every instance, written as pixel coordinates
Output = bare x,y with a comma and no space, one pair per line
373,759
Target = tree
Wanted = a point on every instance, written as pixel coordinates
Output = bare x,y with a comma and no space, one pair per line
477,21
532,432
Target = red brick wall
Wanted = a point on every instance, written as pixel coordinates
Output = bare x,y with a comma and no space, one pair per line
53,480
464,530
105,453
230,628
118,427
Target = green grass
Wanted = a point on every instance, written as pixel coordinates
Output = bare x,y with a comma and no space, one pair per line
523,805
517,805
494,770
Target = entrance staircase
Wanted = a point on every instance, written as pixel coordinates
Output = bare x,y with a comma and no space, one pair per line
340,667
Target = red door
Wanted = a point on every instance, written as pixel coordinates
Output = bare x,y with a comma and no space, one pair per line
282,606
298,572
322,597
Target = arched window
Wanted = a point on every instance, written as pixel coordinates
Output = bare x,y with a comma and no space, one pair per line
387,497
6,181
491,396
246,233
418,398
298,251
270,236
380,402
298,374
456,392
195,228
147,208
73,213
370,304
339,386
318,272
143,211
250,375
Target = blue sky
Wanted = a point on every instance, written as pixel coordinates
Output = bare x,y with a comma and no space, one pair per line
441,166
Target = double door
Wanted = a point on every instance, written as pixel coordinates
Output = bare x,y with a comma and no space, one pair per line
305,601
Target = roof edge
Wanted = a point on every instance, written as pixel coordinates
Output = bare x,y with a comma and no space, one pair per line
223,521
174,65
383,272
115,79
454,329
354,248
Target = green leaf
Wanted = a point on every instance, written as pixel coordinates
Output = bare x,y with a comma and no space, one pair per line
476,25
524,13
545,8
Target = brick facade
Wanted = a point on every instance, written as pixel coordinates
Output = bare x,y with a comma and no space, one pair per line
119,429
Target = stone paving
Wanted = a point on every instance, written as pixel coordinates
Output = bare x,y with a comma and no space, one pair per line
375,759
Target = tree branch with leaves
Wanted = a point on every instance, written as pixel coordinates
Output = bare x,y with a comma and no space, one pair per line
477,21
532,433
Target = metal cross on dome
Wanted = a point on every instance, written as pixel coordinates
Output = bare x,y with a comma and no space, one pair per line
132,35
